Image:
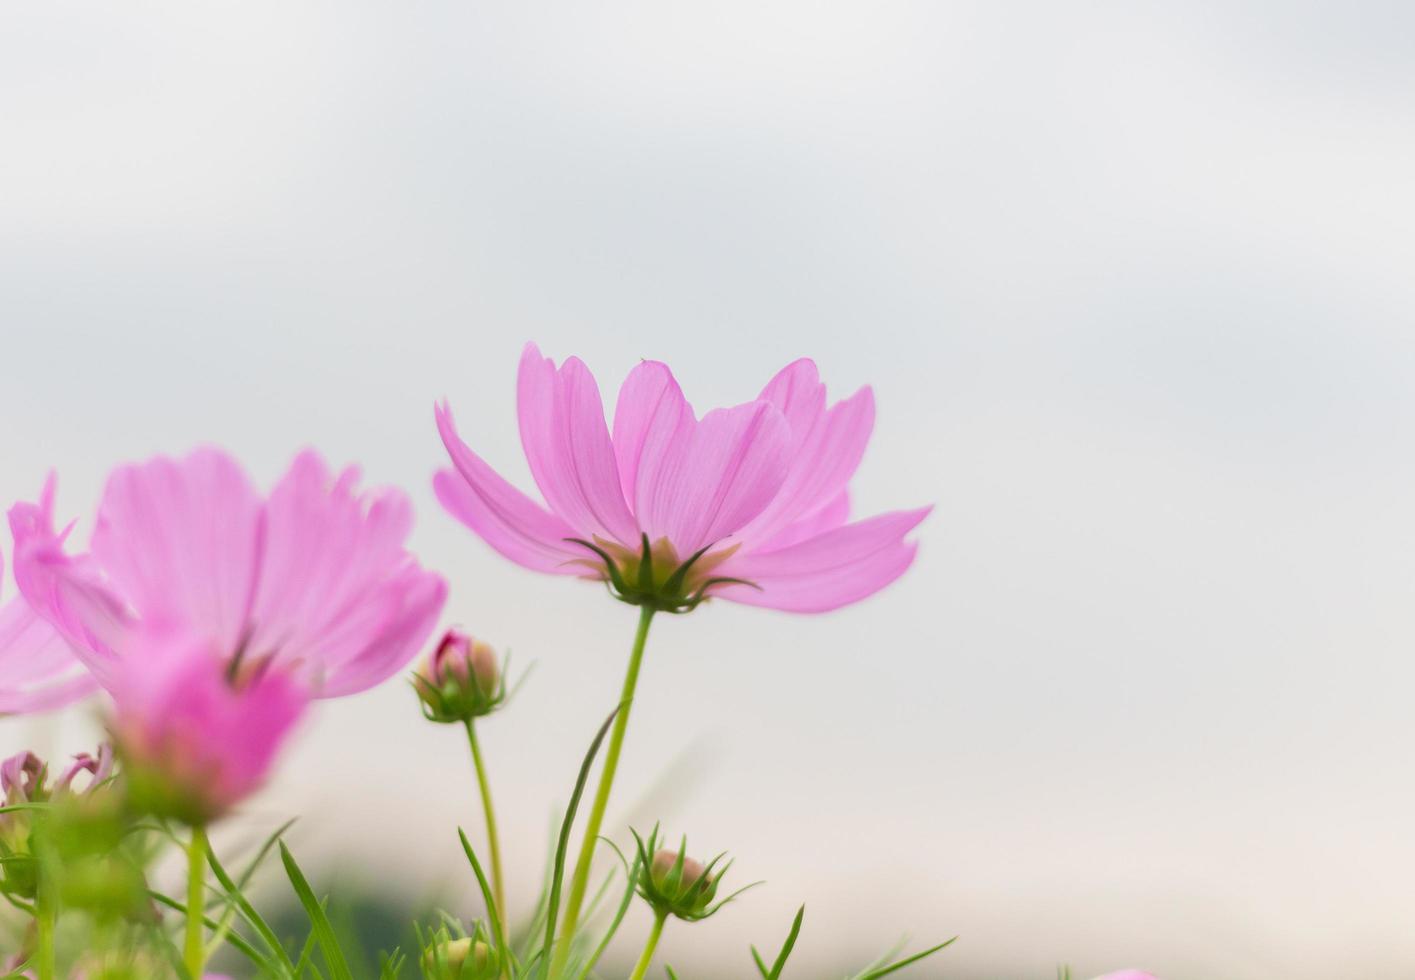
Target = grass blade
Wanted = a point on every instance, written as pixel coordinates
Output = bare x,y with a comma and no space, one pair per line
907,961
319,921
557,877
786,947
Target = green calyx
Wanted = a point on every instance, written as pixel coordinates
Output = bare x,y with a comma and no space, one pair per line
655,576
674,884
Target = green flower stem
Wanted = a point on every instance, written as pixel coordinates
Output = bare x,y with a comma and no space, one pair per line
195,949
581,879
498,882
44,916
642,969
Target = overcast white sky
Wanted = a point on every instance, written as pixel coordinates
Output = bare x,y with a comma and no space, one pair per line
1132,283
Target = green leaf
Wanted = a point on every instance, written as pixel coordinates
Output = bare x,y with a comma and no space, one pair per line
633,877
248,912
786,947
491,910
558,876
319,921
876,974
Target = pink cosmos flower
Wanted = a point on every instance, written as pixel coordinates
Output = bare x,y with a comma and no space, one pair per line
313,580
747,503
197,733
38,669
24,776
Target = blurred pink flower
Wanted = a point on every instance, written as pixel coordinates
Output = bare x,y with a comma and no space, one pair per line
197,733
762,487
313,579
38,669
23,776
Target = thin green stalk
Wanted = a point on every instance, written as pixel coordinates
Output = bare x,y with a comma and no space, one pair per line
498,881
643,968
195,948
44,916
580,881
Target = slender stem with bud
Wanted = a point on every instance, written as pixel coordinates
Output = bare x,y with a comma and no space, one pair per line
580,881
642,969
498,885
195,949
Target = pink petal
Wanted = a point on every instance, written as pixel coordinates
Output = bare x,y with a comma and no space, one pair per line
408,608
335,580
797,391
180,539
705,489
821,469
830,570
68,593
827,518
38,669
501,515
177,717
568,447
650,417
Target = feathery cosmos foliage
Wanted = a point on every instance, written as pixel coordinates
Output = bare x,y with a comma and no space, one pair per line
749,503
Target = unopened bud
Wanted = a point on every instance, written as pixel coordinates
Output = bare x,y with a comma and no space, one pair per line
460,680
460,959
675,884
665,861
463,658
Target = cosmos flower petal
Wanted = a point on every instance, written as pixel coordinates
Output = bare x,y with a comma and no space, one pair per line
833,569
833,514
180,540
798,393
731,469
38,668
650,416
406,614
68,592
505,518
335,579
823,465
569,448
181,723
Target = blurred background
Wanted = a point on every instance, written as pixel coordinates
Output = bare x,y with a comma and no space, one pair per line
1132,284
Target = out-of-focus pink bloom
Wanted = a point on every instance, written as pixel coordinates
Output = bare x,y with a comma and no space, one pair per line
23,777
199,732
38,669
313,579
760,489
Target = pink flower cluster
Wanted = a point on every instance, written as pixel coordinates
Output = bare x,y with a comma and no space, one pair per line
211,613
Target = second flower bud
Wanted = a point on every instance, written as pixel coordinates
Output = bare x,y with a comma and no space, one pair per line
460,680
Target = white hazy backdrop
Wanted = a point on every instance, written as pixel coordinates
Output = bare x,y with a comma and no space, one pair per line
1132,283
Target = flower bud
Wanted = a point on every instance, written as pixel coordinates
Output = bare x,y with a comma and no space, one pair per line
460,680
24,778
663,868
460,959
675,884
